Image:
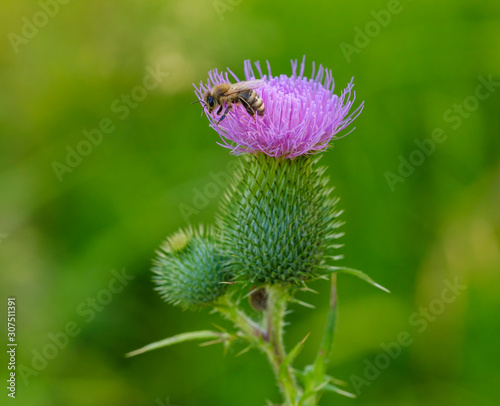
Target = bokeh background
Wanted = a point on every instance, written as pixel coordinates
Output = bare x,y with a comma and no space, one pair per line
62,236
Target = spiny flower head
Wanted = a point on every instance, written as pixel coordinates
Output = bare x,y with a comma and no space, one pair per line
278,221
188,268
302,115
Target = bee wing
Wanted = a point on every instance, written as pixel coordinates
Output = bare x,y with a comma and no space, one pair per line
242,86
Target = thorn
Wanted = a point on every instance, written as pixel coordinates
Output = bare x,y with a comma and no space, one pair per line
300,302
308,289
219,328
305,338
336,381
381,287
134,353
219,340
244,351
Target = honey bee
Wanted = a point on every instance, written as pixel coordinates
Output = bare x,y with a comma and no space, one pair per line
228,93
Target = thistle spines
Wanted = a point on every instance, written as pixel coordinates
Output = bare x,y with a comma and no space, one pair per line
278,220
189,269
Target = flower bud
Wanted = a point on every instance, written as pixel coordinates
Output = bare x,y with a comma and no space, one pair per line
278,221
189,269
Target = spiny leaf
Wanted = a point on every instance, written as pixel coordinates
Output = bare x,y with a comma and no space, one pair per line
317,370
361,275
300,302
332,388
244,351
180,338
336,381
291,357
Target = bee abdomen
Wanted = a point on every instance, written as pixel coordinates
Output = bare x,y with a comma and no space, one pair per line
259,107
256,102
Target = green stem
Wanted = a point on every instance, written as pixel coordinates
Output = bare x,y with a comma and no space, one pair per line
269,340
275,350
317,377
231,311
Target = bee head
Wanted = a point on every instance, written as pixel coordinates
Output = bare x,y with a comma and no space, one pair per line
209,101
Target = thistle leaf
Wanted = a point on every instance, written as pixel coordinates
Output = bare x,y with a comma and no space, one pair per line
305,304
181,338
316,371
287,362
361,275
332,388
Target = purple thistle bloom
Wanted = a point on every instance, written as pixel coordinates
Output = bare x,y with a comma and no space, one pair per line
301,115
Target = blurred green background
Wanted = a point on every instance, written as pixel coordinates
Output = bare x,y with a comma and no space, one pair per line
62,236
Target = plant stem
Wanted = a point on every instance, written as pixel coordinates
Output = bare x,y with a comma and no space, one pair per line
275,350
269,339
232,312
317,377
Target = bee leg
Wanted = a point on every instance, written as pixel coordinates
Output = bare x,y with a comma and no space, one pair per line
248,108
219,111
229,108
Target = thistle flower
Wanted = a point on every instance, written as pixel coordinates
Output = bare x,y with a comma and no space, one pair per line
188,268
277,223
301,115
